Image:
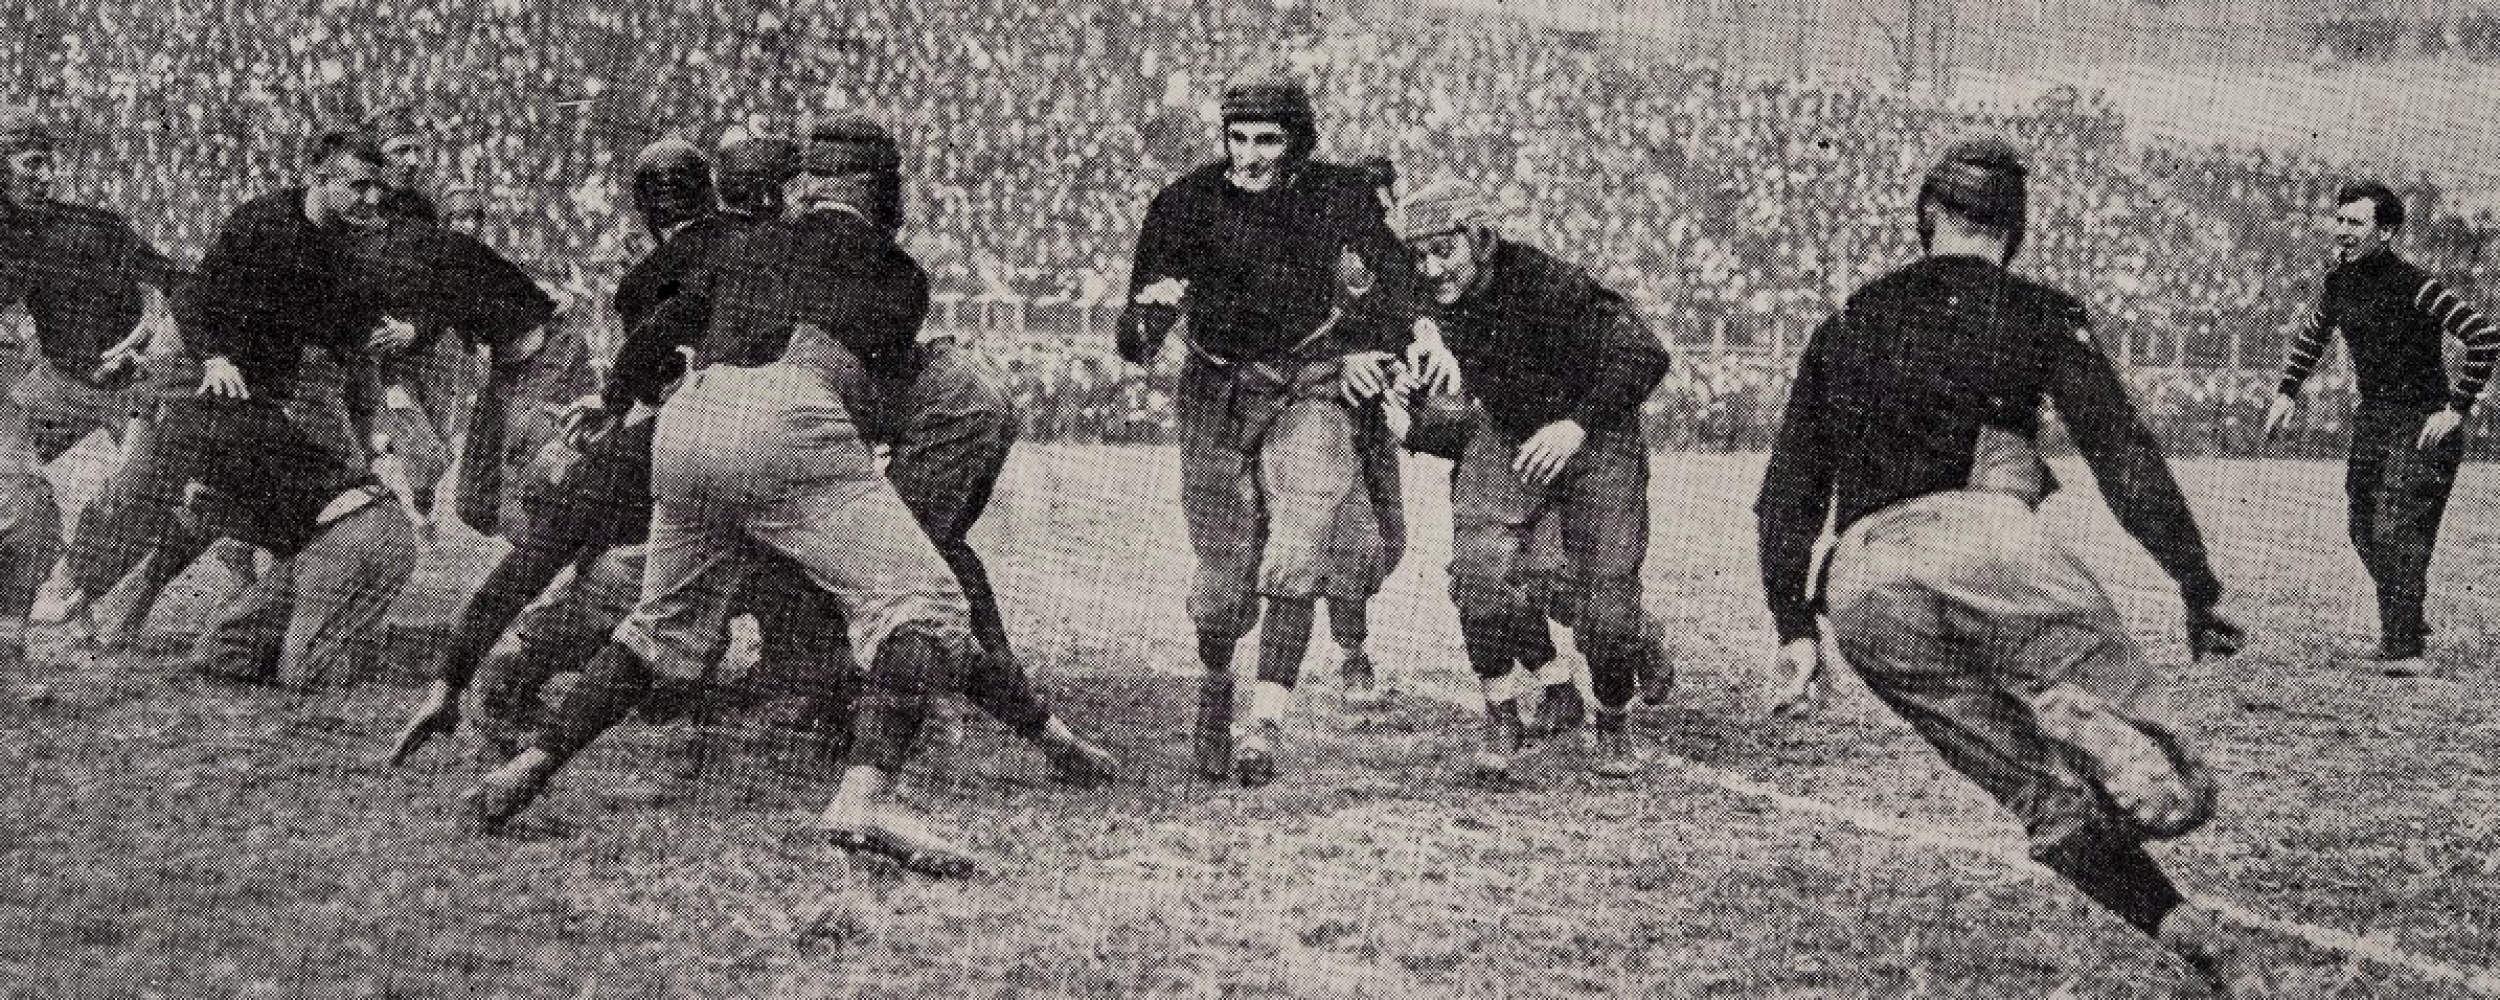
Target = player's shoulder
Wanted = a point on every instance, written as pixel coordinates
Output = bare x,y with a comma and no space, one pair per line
69,213
1202,181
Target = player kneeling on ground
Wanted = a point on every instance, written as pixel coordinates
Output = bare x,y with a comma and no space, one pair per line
1914,420
1559,366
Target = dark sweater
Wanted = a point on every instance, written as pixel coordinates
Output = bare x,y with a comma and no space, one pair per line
648,359
2393,315
1262,268
1538,340
79,272
278,479
271,285
1890,399
444,279
829,268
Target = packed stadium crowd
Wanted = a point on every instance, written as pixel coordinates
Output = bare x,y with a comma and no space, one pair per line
1736,211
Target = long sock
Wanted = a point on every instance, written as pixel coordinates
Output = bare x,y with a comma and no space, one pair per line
1350,621
2120,877
1215,652
1284,638
611,686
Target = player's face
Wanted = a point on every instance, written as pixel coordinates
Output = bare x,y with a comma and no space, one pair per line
1257,152
409,156
350,189
2357,232
31,174
1448,264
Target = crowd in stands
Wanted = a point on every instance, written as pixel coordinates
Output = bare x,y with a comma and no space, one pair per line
2376,32
1737,212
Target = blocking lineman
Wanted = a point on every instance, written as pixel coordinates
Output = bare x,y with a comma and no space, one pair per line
764,451
1913,427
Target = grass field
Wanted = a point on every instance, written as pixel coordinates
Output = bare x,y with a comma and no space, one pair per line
166,837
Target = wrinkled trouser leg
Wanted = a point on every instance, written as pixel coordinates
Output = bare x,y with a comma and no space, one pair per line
2399,494
44,417
315,618
1493,520
946,465
1962,612
1603,505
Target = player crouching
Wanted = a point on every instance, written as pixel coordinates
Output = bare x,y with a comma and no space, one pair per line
1559,366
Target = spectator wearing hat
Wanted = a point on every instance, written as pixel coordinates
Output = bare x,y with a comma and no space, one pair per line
1249,249
1559,366
87,280
1913,430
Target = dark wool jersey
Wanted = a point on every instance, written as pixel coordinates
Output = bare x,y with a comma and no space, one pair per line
648,360
2393,315
1538,340
410,205
1892,395
449,280
829,268
249,451
273,284
80,273
1263,268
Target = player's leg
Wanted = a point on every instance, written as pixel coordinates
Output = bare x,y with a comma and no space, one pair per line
1559,589
1307,469
1366,544
946,465
1605,536
2412,498
44,416
2364,472
1492,517
30,528
708,455
609,485
345,582
856,540
1926,657
2057,643
1219,502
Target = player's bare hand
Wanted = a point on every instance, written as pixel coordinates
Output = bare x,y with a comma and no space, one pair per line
522,348
1367,375
1167,292
1434,365
392,337
2437,429
585,423
1801,686
1544,454
219,377
2279,414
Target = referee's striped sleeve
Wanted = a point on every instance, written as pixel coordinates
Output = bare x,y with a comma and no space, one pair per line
2307,349
2482,340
